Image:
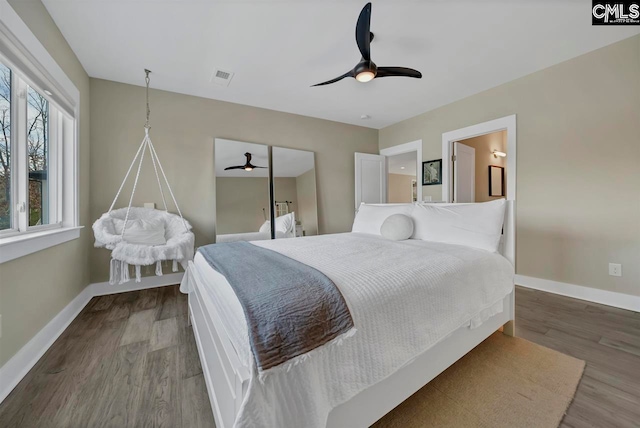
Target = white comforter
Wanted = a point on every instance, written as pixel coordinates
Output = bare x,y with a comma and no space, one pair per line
403,296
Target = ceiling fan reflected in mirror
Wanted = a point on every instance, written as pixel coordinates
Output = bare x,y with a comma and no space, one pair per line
366,70
247,166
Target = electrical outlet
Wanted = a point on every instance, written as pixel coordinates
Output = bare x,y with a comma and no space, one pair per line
150,205
615,269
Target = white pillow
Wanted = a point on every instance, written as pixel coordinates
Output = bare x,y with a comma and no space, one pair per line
397,227
142,232
370,217
266,227
474,225
283,224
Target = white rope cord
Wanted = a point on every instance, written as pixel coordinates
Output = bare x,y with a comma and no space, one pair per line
135,184
126,176
153,149
155,168
146,143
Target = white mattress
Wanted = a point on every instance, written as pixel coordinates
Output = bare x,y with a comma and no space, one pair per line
250,236
403,296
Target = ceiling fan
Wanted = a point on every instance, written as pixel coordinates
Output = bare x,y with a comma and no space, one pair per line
366,70
247,166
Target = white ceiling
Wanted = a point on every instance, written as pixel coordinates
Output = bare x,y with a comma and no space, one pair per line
277,49
286,162
404,164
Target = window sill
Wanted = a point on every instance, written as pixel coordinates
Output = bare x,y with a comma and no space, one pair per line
16,246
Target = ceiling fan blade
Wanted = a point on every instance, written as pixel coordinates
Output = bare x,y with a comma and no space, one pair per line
399,72
261,167
363,32
337,79
234,167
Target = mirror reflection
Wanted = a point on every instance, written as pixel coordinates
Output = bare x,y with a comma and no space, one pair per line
295,204
242,191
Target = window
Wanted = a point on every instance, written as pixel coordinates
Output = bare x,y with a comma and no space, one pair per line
39,110
28,156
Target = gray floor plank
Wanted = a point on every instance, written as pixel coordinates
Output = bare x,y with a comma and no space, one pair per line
147,299
621,345
189,358
118,400
164,333
138,327
160,390
196,409
168,302
102,303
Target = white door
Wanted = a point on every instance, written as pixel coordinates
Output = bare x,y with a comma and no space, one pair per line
464,173
371,179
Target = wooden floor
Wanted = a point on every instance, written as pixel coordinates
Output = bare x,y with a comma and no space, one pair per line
607,338
130,360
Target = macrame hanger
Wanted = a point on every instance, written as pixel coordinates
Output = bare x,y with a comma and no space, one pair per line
145,145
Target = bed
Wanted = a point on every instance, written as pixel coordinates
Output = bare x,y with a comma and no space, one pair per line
415,324
285,228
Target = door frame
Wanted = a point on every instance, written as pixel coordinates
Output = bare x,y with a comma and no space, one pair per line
507,123
413,146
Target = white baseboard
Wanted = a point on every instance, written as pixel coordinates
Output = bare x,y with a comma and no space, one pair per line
595,295
12,372
104,288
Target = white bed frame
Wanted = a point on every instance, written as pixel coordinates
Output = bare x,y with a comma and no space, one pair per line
227,379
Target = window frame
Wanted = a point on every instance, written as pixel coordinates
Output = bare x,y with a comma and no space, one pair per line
32,64
20,158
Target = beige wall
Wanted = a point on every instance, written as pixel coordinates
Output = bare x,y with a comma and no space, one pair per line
35,288
285,189
399,188
240,201
578,163
183,131
484,145
307,202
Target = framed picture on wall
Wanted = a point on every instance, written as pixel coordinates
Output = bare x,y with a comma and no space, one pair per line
496,180
432,172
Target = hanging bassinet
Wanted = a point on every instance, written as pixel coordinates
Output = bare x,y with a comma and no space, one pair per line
144,236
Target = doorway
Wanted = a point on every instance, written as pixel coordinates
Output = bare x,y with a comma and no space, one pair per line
490,172
479,168
404,163
402,178
372,179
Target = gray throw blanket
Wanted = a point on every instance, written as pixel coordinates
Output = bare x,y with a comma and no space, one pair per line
290,308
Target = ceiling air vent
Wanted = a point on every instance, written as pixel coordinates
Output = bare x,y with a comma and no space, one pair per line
221,77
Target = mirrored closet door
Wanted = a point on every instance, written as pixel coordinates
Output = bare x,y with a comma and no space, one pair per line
242,191
254,202
294,185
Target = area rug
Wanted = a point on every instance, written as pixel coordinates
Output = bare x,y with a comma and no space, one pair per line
504,382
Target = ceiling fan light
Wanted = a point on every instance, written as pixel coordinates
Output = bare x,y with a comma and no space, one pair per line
248,168
365,76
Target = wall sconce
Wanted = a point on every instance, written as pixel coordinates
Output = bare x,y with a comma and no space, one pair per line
497,153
